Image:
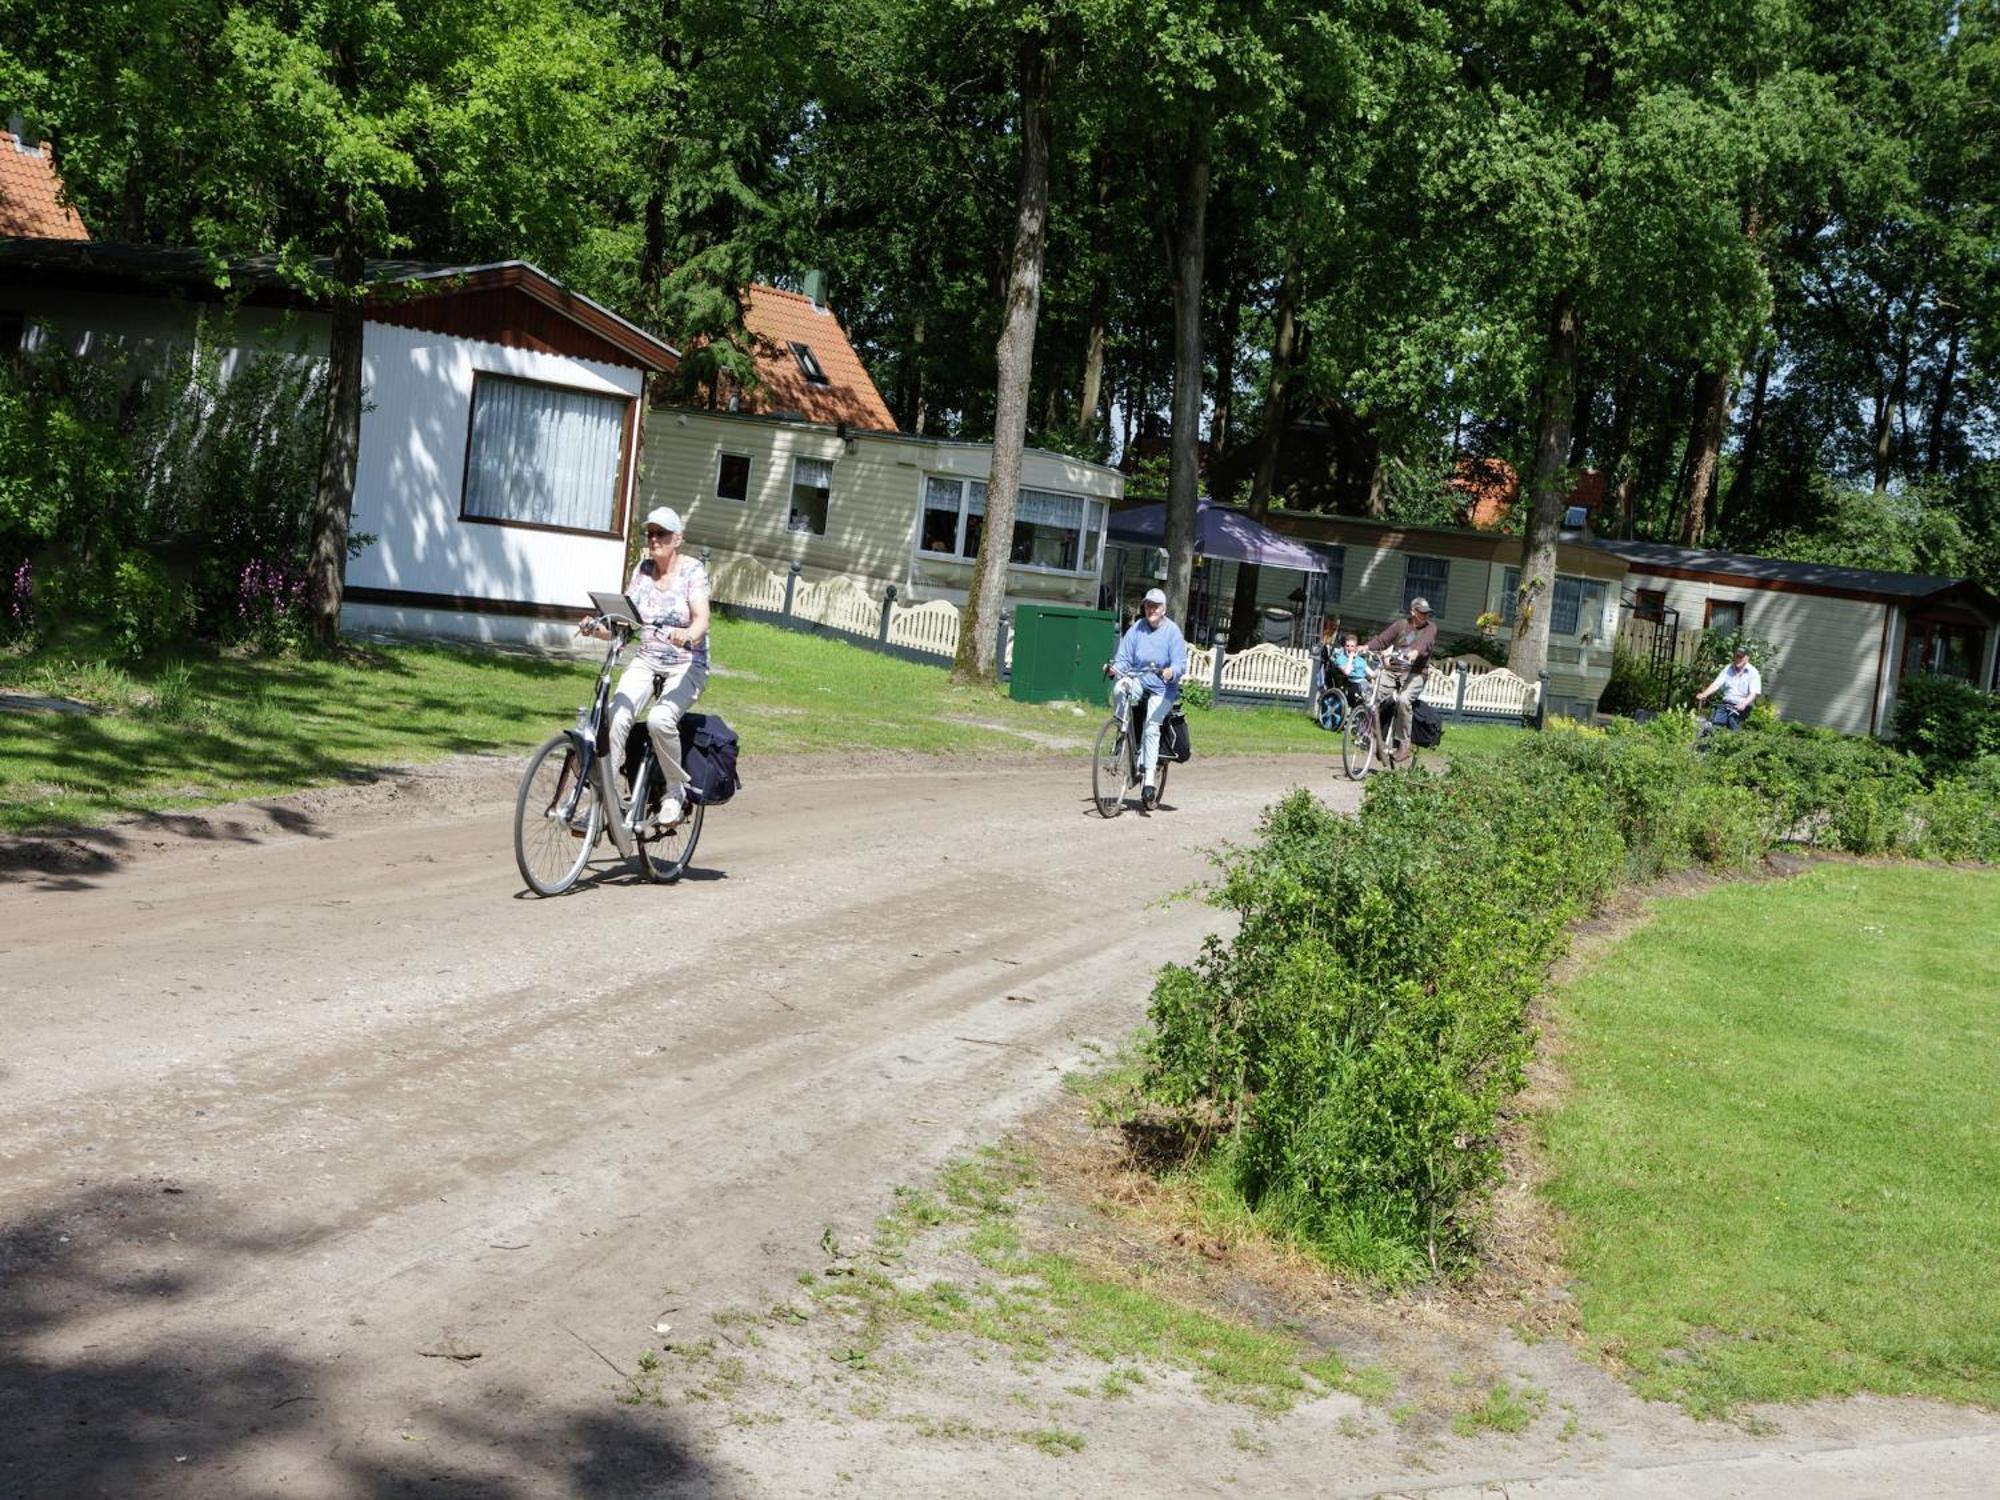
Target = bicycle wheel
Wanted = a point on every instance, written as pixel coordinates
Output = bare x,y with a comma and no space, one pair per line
1160,782
549,849
665,859
1357,742
1107,768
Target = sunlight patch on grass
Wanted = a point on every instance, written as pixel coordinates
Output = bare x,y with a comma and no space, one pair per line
200,728
1776,1160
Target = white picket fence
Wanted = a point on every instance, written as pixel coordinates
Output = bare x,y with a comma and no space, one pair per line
1268,672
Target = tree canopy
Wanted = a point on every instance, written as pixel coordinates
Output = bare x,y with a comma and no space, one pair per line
1740,258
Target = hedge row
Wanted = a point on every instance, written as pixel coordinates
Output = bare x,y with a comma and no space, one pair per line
1351,1051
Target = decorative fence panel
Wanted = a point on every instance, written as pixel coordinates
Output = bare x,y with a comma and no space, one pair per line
931,627
928,632
745,581
1268,671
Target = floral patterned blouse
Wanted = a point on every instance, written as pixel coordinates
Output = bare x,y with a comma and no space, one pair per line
668,605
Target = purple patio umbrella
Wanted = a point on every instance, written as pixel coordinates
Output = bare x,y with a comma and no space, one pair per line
1220,532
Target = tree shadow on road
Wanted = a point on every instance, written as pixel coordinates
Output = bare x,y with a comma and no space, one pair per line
83,1414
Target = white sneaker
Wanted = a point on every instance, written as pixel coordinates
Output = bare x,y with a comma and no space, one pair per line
670,814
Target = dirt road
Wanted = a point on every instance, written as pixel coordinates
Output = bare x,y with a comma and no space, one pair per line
300,1114
333,1167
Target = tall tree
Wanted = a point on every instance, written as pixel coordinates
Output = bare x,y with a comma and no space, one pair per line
1014,359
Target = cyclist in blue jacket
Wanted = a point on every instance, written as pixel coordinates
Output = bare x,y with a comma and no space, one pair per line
1152,659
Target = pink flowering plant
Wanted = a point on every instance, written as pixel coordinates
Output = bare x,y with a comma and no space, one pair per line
17,622
271,607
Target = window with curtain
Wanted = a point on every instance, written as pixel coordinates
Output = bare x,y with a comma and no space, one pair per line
812,487
1063,533
1426,578
543,455
943,500
1336,567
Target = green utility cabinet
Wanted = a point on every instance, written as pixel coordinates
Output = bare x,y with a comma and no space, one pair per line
1060,652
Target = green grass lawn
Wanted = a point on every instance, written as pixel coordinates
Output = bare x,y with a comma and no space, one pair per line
1779,1159
201,728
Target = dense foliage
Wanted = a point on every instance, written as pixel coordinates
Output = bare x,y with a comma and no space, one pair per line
1752,248
1355,1047
147,486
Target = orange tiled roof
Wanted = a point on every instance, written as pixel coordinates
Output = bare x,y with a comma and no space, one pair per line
32,205
776,320
1488,488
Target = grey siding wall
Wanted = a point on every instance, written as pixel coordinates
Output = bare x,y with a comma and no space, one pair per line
1825,652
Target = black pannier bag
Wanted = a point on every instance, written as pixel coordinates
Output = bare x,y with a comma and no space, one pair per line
1426,724
708,752
1174,742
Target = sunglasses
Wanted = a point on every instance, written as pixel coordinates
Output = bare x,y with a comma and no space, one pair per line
658,536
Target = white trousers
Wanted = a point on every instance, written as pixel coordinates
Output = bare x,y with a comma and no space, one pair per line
679,687
1128,692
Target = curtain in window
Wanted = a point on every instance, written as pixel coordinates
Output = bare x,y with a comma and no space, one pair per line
1046,509
812,473
544,456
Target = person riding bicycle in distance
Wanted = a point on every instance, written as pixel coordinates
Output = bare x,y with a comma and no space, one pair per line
1740,684
1411,641
669,590
1152,659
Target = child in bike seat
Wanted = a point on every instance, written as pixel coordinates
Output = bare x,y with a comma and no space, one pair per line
1351,668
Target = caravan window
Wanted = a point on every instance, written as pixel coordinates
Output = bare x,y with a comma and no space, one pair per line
544,455
812,487
1053,532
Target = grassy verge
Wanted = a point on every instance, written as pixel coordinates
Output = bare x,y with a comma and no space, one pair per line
956,1262
1778,1155
185,731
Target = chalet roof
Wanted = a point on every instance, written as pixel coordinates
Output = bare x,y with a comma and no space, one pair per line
32,201
1821,578
400,285
776,321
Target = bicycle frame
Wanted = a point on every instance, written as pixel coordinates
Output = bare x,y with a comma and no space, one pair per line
622,815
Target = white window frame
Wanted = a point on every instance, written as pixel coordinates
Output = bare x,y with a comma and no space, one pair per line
749,475
791,507
1096,520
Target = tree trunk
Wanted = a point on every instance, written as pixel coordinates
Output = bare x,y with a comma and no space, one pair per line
1225,370
1529,652
1091,392
1753,436
340,443
1378,481
1941,403
1270,438
1621,471
1183,474
1014,358
1582,424
1712,392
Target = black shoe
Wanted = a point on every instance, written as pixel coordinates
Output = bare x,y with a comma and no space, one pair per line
1149,798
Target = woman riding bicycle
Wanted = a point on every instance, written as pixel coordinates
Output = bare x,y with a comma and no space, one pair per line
670,591
1152,659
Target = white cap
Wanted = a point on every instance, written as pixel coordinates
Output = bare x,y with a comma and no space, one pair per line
1420,605
1155,596
666,518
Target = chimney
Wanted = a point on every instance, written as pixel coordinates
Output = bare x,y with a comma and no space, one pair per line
815,288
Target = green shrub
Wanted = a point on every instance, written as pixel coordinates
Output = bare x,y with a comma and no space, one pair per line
1945,722
1822,787
1197,695
1352,1050
143,607
1959,818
